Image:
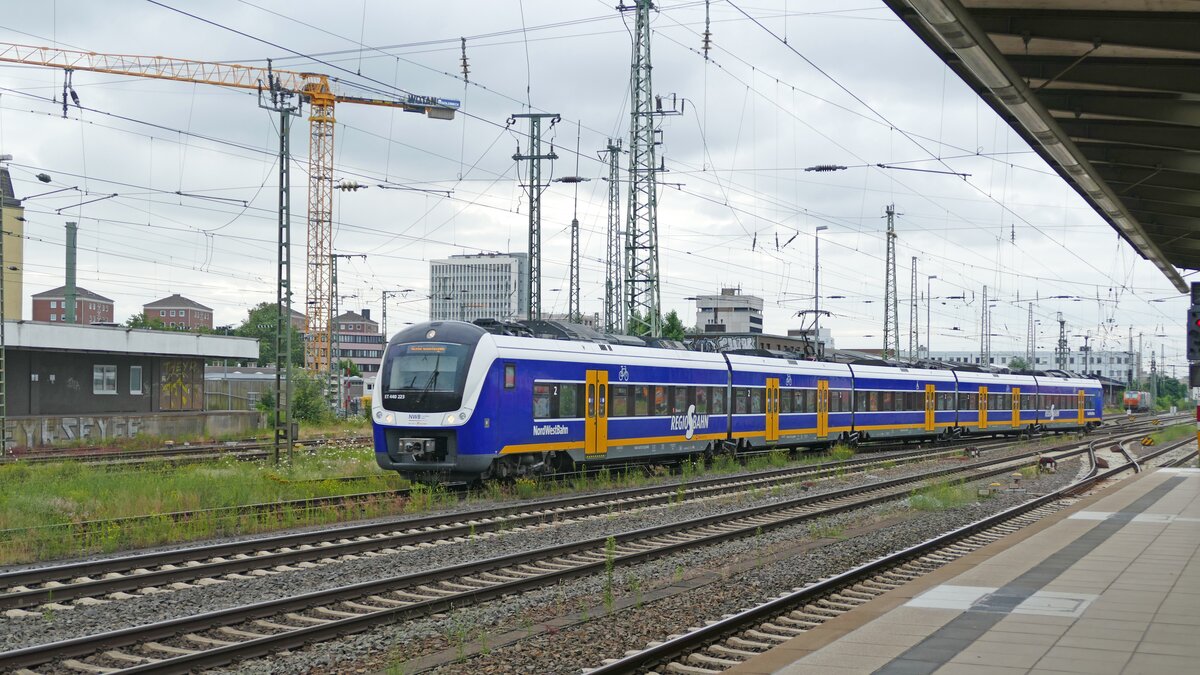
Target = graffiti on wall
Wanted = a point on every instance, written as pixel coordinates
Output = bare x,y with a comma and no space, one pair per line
181,385
51,430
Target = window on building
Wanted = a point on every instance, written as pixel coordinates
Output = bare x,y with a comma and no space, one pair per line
53,304
162,312
172,313
53,317
135,379
104,379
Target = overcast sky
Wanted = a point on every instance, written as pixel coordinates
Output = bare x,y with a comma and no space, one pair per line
193,166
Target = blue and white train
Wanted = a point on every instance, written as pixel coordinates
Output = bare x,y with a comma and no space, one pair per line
454,402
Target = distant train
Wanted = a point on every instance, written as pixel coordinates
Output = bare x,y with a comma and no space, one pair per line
1137,401
454,402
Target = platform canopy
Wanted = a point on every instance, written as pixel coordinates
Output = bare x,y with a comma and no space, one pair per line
1106,91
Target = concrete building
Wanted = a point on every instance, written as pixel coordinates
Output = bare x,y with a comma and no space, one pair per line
1117,365
729,312
358,340
479,286
51,306
179,312
12,223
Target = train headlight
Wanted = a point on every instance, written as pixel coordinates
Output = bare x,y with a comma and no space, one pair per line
389,418
451,419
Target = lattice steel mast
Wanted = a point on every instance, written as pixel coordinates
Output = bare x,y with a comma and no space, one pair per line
282,101
614,278
914,330
1030,339
534,188
985,329
1060,353
643,299
891,302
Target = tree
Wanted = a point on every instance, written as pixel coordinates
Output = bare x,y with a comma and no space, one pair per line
308,399
1018,363
349,368
672,326
260,324
146,322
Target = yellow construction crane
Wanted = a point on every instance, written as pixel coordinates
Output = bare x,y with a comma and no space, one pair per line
316,89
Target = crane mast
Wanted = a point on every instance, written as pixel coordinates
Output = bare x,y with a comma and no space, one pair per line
316,89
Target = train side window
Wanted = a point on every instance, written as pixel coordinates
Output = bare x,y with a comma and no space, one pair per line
718,400
702,400
541,401
619,405
568,401
810,400
741,400
641,400
679,402
661,405
510,376
787,400
837,400
756,400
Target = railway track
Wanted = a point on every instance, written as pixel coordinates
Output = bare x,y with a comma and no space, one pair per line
161,570
735,639
241,450
219,637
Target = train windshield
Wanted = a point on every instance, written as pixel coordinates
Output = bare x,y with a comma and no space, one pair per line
424,377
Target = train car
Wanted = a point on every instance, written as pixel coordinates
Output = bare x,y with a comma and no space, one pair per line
789,402
902,402
1137,401
996,403
1069,403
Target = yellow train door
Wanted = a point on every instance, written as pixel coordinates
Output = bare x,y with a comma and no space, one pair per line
595,435
1016,407
772,408
983,407
822,408
1081,399
930,407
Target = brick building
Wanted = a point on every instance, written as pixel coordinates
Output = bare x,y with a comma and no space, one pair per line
357,338
90,307
179,312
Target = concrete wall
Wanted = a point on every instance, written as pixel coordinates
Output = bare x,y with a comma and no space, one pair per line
42,431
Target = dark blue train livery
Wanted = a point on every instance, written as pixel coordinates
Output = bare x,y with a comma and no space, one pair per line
455,402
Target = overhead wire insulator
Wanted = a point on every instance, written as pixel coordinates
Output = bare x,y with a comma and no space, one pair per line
351,186
825,167
463,61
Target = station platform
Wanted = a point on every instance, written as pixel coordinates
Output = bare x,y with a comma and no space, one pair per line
1109,585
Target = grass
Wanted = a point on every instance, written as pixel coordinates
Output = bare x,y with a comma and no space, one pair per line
1173,433
941,496
40,502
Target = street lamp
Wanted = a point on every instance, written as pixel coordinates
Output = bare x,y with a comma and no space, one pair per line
928,304
817,281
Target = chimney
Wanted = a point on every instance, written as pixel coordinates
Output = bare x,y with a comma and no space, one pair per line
366,314
69,292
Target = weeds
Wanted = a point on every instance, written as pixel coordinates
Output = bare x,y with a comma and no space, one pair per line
941,496
610,553
823,529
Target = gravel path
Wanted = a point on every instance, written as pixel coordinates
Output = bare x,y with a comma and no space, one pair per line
570,626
